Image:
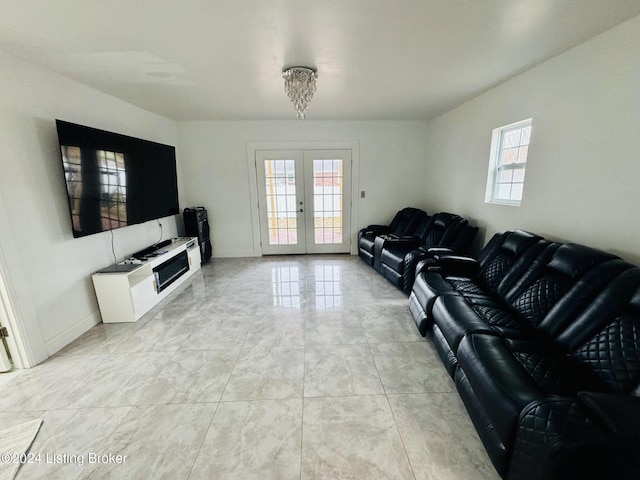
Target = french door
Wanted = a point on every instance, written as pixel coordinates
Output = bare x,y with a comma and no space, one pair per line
304,201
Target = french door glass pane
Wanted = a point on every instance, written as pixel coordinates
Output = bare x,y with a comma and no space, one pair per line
327,200
280,185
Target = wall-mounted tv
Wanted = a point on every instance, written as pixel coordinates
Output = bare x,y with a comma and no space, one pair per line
114,180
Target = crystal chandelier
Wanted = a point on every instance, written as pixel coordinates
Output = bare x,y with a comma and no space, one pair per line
300,85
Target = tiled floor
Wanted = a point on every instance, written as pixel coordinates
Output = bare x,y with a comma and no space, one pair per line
303,367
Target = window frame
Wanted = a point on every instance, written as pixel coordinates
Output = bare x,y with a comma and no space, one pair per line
495,166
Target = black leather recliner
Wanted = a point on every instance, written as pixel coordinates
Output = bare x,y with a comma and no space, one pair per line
506,254
405,222
395,257
543,342
564,274
517,391
460,244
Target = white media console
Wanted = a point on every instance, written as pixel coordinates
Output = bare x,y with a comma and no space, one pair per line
127,291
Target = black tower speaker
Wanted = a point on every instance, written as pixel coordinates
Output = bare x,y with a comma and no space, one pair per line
196,224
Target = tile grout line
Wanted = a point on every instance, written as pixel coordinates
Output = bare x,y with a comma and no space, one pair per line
386,397
404,447
219,398
254,272
304,374
204,438
395,422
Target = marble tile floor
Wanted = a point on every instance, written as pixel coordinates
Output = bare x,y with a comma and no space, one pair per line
299,367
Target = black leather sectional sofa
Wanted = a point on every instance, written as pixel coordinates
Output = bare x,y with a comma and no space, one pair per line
394,251
542,340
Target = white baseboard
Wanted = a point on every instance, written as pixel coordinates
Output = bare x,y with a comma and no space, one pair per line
67,336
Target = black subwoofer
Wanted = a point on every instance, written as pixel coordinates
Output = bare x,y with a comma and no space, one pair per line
196,224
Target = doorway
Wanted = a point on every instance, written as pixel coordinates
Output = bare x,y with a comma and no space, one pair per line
304,201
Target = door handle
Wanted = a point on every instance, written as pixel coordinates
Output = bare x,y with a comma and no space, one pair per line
301,210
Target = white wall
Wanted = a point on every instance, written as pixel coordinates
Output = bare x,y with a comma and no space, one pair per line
216,175
48,271
581,180
583,172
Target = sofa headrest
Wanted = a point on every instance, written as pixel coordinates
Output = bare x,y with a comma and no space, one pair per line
574,260
408,212
444,219
517,241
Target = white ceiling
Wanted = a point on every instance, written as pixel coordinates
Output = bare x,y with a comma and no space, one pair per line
222,59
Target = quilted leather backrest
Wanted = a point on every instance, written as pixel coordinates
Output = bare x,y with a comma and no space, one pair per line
574,260
538,291
580,296
516,242
439,228
606,337
495,266
463,237
400,217
511,237
424,227
407,220
495,270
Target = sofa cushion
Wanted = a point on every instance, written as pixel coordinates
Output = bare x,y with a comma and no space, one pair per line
553,372
558,439
502,387
507,375
501,263
393,257
456,318
605,336
614,354
366,241
407,221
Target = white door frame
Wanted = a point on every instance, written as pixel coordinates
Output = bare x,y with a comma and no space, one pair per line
25,340
5,364
8,320
252,147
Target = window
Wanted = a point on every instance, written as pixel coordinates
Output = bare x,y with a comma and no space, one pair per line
507,163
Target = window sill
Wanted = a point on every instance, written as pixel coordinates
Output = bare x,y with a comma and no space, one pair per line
509,203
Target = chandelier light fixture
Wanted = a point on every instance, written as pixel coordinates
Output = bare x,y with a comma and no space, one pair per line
300,85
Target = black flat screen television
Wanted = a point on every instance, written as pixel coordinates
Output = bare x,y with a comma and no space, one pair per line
115,180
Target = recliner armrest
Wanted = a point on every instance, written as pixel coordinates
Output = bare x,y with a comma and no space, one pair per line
395,236
432,251
409,241
619,414
377,229
560,438
424,261
454,265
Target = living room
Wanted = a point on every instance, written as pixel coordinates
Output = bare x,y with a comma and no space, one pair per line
582,98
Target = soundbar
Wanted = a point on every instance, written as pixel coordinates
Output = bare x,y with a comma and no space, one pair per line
143,253
164,243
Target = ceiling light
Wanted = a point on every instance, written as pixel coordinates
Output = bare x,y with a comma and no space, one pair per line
300,85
